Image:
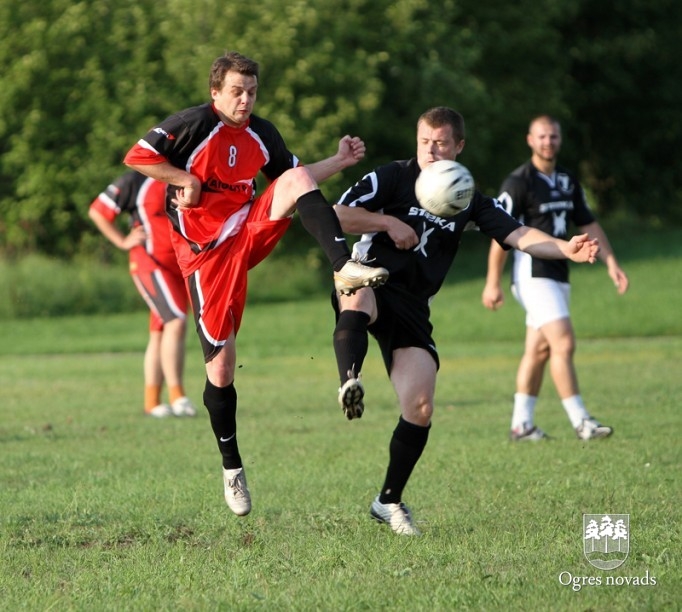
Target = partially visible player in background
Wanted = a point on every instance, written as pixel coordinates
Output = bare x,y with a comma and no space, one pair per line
546,196
157,276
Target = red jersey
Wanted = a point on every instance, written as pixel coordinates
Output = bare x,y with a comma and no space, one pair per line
226,160
144,200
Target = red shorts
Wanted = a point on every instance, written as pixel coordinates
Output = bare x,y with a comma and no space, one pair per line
161,287
217,288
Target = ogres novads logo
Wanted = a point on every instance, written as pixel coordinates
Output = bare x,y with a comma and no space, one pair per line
606,539
606,544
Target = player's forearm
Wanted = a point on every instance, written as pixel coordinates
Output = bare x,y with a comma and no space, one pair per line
323,169
538,243
167,173
497,257
107,229
360,221
548,248
606,253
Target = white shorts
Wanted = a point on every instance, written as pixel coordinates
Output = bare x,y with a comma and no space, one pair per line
544,300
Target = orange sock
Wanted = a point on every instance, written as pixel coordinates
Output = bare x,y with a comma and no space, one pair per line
175,392
152,396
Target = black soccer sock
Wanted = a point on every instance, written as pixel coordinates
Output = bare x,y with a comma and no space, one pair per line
406,447
320,221
350,342
221,403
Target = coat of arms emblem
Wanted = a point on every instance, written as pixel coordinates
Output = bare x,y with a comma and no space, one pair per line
606,539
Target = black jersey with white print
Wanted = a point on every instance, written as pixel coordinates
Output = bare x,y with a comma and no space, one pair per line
422,269
548,203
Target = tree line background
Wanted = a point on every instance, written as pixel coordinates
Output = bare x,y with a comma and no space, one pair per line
81,81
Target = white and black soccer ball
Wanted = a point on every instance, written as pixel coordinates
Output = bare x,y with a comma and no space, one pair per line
444,188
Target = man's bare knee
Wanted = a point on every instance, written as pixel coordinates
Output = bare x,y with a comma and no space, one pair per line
298,181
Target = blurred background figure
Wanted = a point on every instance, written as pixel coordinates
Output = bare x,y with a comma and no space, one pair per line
542,194
156,275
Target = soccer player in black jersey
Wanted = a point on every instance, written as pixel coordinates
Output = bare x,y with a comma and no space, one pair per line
417,248
547,196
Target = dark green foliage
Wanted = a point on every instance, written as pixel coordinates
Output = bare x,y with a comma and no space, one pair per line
625,91
81,81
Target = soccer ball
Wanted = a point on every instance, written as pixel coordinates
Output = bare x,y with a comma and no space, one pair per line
444,188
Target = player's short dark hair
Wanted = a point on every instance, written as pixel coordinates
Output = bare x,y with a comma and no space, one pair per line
545,118
438,116
230,62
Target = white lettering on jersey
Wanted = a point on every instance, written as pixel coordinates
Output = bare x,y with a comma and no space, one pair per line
442,223
554,206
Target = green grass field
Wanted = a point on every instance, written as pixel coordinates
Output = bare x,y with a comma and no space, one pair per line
103,509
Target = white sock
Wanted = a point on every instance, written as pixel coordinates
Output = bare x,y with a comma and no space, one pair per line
524,411
575,409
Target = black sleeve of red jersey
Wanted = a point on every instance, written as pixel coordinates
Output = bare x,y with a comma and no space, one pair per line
124,190
281,159
172,138
177,136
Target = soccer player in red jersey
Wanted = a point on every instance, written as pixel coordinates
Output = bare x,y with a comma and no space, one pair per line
158,278
210,156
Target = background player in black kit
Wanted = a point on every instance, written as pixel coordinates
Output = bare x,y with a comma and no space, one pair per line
417,248
547,196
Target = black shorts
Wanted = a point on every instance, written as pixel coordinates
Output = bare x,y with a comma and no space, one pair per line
402,321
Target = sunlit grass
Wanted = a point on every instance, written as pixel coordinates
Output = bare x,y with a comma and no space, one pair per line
101,508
